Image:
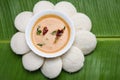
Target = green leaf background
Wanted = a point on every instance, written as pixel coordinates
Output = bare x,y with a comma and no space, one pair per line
102,64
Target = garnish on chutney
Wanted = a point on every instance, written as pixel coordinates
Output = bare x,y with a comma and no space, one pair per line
45,30
54,32
38,32
40,44
59,34
64,28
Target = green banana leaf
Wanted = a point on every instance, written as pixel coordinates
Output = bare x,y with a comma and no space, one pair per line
102,64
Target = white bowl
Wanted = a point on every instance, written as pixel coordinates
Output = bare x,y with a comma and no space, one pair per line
31,24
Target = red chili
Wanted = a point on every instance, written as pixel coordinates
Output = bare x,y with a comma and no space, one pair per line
45,30
59,33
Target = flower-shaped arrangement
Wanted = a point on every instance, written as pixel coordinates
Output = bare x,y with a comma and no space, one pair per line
73,60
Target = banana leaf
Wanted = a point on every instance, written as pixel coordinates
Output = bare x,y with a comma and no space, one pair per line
101,64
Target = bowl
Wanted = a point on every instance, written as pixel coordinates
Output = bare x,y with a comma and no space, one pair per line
29,30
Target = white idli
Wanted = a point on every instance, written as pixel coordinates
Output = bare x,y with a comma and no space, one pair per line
86,41
31,61
66,7
73,60
18,43
81,22
42,5
52,67
22,20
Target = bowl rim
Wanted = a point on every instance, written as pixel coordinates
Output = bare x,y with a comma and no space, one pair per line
31,24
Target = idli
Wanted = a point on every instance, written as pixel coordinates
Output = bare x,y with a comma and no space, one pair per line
42,5
31,61
52,67
73,60
81,22
22,20
18,43
86,41
66,7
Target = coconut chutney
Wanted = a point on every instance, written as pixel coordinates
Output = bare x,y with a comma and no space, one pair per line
50,33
